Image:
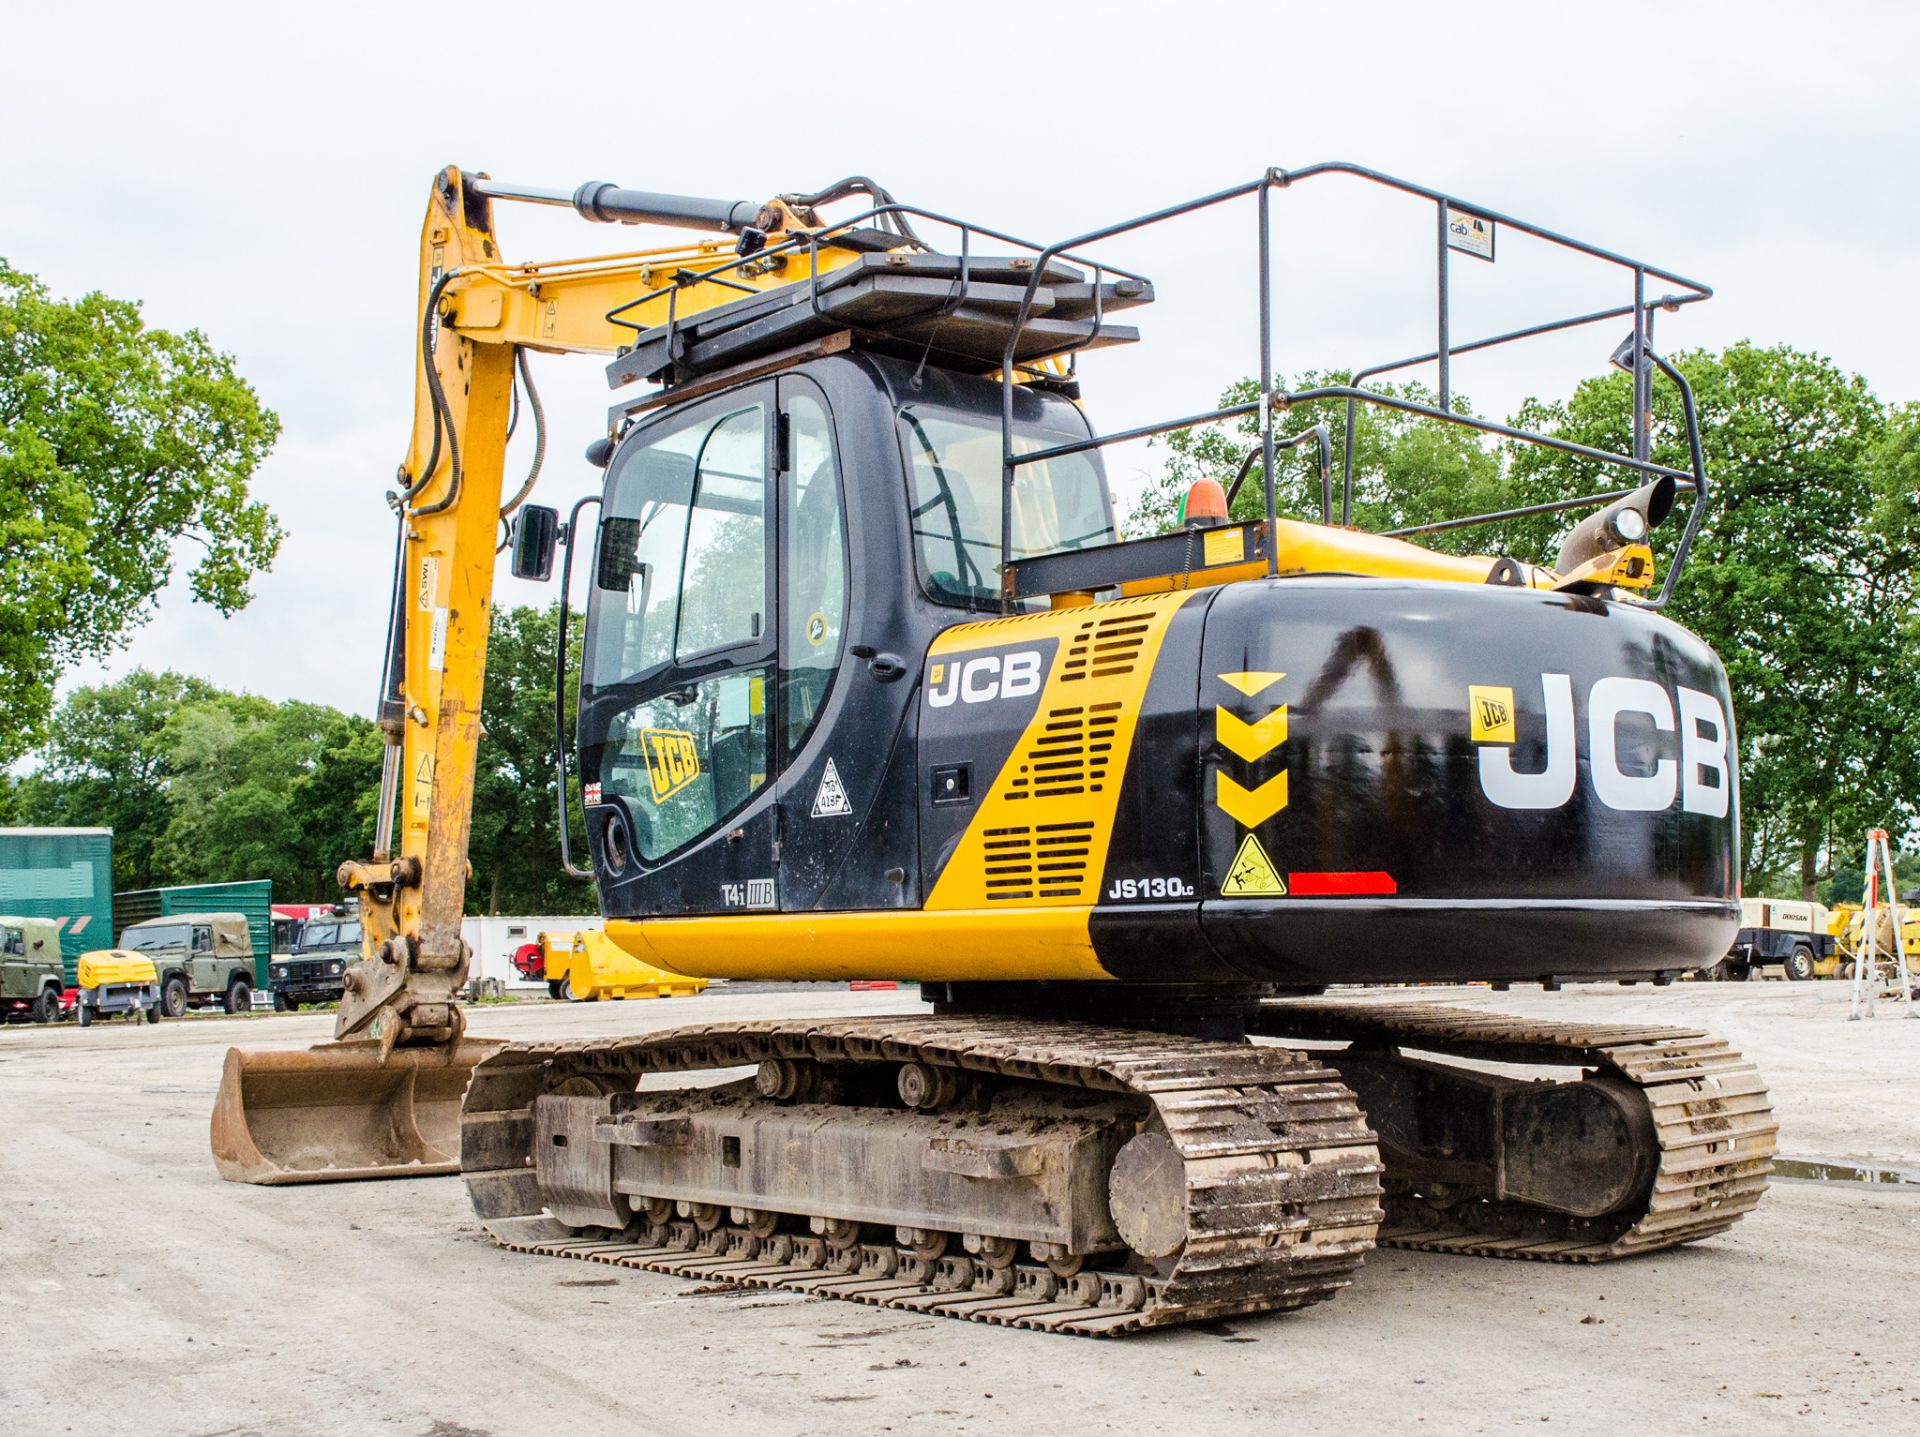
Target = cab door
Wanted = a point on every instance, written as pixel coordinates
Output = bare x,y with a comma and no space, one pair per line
836,724
13,964
205,967
678,675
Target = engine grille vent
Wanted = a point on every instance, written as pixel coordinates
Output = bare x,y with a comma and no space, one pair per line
1045,860
1071,754
1105,647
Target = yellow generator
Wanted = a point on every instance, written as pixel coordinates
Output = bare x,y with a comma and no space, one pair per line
586,966
116,980
1849,931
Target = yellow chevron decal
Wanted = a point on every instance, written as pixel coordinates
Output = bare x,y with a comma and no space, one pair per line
1250,807
1252,681
1250,740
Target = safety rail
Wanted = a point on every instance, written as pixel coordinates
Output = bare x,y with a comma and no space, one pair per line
1450,211
1453,217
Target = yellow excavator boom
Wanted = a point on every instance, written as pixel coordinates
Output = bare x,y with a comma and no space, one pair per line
383,1098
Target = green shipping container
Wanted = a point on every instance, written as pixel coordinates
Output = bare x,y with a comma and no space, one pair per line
252,898
65,874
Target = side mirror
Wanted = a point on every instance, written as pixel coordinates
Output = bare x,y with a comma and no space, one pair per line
619,553
1627,520
536,530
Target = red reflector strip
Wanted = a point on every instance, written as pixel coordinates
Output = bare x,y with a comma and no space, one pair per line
1337,885
868,985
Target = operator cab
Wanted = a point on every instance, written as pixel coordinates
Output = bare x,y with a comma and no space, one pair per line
772,562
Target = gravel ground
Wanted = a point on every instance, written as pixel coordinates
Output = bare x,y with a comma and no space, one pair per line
145,1296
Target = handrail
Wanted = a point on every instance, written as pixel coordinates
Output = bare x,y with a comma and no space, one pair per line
1642,359
560,692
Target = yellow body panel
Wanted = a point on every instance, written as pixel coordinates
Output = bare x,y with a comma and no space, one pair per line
1320,549
596,968
965,945
962,933
1106,703
106,966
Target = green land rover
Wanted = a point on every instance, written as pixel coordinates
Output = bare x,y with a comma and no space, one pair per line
31,978
204,959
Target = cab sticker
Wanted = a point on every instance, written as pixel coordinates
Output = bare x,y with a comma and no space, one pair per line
830,799
1490,713
672,761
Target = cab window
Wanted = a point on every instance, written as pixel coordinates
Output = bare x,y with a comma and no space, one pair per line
813,538
723,583
955,484
203,940
16,943
680,564
680,592
686,759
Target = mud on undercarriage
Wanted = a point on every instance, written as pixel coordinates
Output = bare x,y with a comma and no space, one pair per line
1100,1180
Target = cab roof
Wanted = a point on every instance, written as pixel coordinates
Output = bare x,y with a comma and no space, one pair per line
169,919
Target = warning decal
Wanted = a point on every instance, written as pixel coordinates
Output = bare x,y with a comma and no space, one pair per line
830,801
1253,874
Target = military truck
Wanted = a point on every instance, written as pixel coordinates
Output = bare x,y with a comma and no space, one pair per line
315,971
32,981
204,960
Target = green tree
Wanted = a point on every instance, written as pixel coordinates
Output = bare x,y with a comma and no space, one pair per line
515,845
1803,578
116,441
1406,470
263,790
204,786
104,765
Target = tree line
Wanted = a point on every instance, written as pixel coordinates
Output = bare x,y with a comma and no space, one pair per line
203,785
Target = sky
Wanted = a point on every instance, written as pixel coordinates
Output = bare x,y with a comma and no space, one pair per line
259,172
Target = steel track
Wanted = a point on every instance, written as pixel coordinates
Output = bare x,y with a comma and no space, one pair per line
1711,1114
1282,1179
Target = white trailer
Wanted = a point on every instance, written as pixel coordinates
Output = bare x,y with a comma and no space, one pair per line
495,939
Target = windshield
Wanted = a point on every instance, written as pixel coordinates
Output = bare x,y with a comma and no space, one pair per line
329,935
171,935
954,479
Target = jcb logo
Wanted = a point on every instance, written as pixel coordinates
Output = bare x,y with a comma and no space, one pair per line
981,680
1492,714
1701,776
672,760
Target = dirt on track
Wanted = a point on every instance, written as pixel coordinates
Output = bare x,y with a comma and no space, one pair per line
145,1296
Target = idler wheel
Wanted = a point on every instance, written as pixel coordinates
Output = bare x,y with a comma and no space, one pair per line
1147,1192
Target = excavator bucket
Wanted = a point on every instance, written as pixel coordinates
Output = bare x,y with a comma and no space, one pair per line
340,1112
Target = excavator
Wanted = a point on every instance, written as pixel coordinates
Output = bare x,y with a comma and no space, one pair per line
872,687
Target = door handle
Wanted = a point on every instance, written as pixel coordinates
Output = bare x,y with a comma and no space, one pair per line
884,667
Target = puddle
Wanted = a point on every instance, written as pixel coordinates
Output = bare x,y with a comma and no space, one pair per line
1837,1170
